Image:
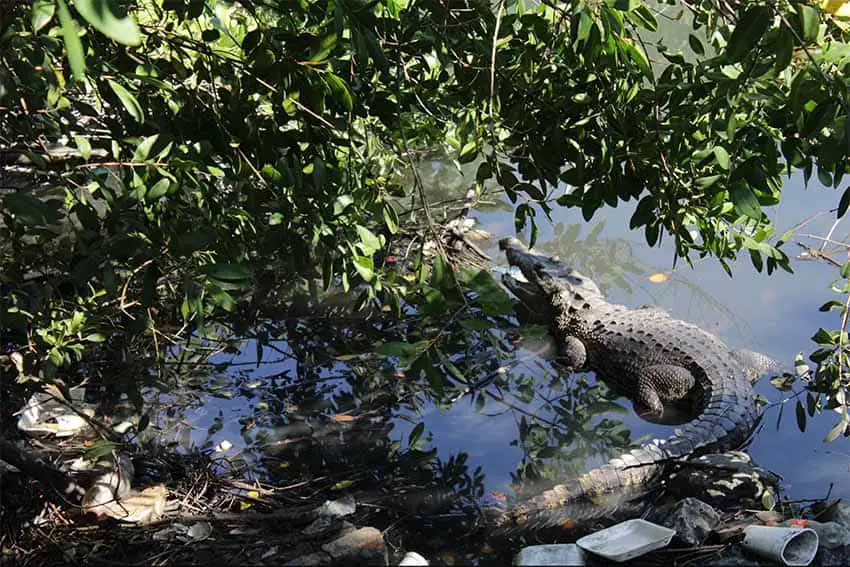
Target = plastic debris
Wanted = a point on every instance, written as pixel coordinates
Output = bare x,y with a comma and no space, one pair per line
553,554
788,546
627,540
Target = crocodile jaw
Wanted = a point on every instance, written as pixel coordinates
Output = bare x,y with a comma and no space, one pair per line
544,276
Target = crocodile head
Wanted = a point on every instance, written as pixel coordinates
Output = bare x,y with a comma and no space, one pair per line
545,277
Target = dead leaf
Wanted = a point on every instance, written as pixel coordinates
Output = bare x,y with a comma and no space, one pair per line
143,508
659,277
343,418
500,496
768,516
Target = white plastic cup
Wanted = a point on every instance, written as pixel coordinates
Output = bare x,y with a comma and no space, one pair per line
789,546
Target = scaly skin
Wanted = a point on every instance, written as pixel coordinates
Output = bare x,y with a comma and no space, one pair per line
671,370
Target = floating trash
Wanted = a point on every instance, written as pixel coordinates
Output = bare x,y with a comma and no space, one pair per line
789,546
627,540
553,554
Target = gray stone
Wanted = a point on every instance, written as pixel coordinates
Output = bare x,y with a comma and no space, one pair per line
831,535
722,480
836,556
317,558
340,508
693,521
323,525
554,554
731,556
364,545
838,512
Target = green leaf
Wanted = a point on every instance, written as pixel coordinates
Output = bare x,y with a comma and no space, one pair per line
722,157
109,20
810,22
369,243
768,501
468,152
844,203
708,181
95,338
492,297
159,189
745,201
228,272
42,12
73,44
835,432
801,416
341,203
438,272
750,28
823,337
644,17
784,48
531,190
324,48
397,348
390,218
128,100
375,51
831,305
696,44
340,91
99,448
636,54
27,209
83,145
414,436
144,148
365,267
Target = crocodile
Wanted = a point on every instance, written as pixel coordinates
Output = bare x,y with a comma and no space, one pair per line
673,372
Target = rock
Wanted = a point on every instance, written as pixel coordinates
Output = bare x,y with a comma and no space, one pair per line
731,556
693,521
831,535
554,554
838,512
345,506
318,558
364,545
323,525
836,556
722,480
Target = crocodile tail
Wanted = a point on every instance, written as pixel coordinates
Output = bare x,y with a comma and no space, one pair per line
725,423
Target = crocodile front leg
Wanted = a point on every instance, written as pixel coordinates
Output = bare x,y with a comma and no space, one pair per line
660,393
572,353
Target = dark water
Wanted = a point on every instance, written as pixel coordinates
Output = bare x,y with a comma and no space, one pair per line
775,315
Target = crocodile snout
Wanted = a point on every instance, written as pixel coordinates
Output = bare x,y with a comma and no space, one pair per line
510,242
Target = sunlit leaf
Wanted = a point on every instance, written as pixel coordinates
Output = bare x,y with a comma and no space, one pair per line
128,100
745,201
73,44
365,267
109,20
42,12
810,21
